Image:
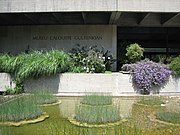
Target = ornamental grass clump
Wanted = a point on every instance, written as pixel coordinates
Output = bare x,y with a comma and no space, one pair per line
152,100
97,100
146,74
97,114
172,117
39,63
97,109
34,64
21,108
44,97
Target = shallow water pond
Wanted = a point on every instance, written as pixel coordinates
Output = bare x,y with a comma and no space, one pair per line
138,120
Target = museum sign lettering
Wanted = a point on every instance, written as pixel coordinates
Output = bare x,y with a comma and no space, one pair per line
67,37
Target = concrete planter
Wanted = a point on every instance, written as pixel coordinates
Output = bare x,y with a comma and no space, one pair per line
77,84
80,83
5,82
177,82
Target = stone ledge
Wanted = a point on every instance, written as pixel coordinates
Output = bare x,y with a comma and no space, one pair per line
23,122
81,124
52,104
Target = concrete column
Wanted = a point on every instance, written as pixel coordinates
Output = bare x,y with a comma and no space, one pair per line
114,47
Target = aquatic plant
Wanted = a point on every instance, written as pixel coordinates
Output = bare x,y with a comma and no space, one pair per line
97,109
4,99
151,100
43,96
97,99
97,114
20,108
172,117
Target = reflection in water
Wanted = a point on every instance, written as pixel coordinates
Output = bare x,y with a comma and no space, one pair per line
125,106
68,105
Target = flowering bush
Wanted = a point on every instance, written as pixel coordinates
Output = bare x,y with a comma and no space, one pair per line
90,60
146,74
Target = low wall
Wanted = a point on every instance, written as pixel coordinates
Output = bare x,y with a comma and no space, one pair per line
80,83
5,82
77,84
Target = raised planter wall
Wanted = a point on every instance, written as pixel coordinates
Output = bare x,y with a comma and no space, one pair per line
78,84
5,82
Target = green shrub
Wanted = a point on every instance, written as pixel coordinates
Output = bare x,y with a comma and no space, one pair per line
152,100
21,108
134,52
39,63
96,100
8,63
172,117
34,64
175,65
90,60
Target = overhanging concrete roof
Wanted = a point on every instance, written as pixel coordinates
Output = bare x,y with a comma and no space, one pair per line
9,6
135,19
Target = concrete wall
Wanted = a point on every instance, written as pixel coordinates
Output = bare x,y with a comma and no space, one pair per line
5,82
149,5
15,39
89,5
78,84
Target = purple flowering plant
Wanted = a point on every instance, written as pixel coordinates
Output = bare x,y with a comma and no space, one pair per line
146,74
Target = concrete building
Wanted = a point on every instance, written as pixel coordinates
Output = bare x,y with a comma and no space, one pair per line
61,24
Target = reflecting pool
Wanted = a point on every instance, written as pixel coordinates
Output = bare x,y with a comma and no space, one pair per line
139,120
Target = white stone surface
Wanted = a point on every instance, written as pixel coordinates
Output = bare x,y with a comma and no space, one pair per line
78,84
5,81
149,5
7,6
56,5
177,84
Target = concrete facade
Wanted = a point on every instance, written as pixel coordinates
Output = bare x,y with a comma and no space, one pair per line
16,39
8,6
78,84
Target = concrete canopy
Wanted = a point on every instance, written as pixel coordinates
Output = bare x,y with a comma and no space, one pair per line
133,19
